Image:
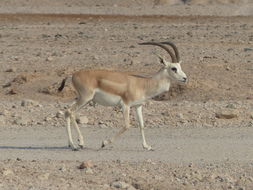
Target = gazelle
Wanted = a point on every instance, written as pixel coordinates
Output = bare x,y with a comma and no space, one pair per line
111,88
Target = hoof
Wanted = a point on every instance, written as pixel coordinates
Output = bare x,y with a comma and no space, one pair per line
104,143
147,147
75,149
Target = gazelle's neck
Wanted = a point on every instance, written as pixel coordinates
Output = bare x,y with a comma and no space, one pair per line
157,84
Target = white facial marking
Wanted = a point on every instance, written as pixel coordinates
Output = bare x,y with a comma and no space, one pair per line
175,71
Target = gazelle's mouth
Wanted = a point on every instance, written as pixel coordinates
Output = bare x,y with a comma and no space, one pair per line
184,80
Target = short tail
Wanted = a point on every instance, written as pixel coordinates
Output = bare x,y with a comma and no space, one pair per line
62,84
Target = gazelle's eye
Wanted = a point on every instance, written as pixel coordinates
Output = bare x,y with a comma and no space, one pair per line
174,69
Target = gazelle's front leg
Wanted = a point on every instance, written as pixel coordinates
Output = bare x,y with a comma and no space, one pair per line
141,123
126,111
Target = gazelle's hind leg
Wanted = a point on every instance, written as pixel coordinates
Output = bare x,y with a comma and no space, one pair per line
126,110
70,117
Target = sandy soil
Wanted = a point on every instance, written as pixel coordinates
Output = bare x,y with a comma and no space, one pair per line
194,147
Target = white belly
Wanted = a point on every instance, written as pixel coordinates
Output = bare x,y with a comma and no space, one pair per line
106,99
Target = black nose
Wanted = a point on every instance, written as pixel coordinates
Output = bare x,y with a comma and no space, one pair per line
185,79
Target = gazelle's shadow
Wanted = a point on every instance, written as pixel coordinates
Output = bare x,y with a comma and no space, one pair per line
45,148
35,147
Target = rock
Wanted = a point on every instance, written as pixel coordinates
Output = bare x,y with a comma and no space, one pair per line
59,114
7,85
248,49
225,115
28,102
122,185
232,106
21,121
4,112
44,177
2,120
89,171
12,92
82,23
86,164
82,120
63,168
49,59
7,171
180,115
11,70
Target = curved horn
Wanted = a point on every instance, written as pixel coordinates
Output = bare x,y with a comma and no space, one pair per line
173,58
174,48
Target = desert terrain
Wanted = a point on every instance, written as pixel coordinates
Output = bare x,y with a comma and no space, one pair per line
201,131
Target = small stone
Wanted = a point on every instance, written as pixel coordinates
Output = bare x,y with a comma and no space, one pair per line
21,121
180,116
7,85
232,106
59,114
28,102
86,164
228,68
247,49
48,118
49,59
11,70
44,177
12,92
7,171
82,120
82,23
63,169
2,120
224,115
89,171
122,185
4,112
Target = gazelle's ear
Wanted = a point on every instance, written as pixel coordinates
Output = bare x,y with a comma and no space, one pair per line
180,62
161,59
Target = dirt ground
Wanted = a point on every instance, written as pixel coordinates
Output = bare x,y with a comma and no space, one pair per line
202,131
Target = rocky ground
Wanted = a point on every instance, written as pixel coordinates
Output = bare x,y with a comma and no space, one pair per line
39,48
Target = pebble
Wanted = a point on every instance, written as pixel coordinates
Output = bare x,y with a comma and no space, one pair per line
6,172
63,168
7,85
44,177
86,164
12,92
49,59
180,115
232,106
21,121
89,171
122,185
2,120
4,112
225,115
82,120
11,70
59,114
28,102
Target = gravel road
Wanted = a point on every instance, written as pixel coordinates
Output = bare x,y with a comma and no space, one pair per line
172,145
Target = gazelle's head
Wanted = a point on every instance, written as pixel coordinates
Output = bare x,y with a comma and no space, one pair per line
172,69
